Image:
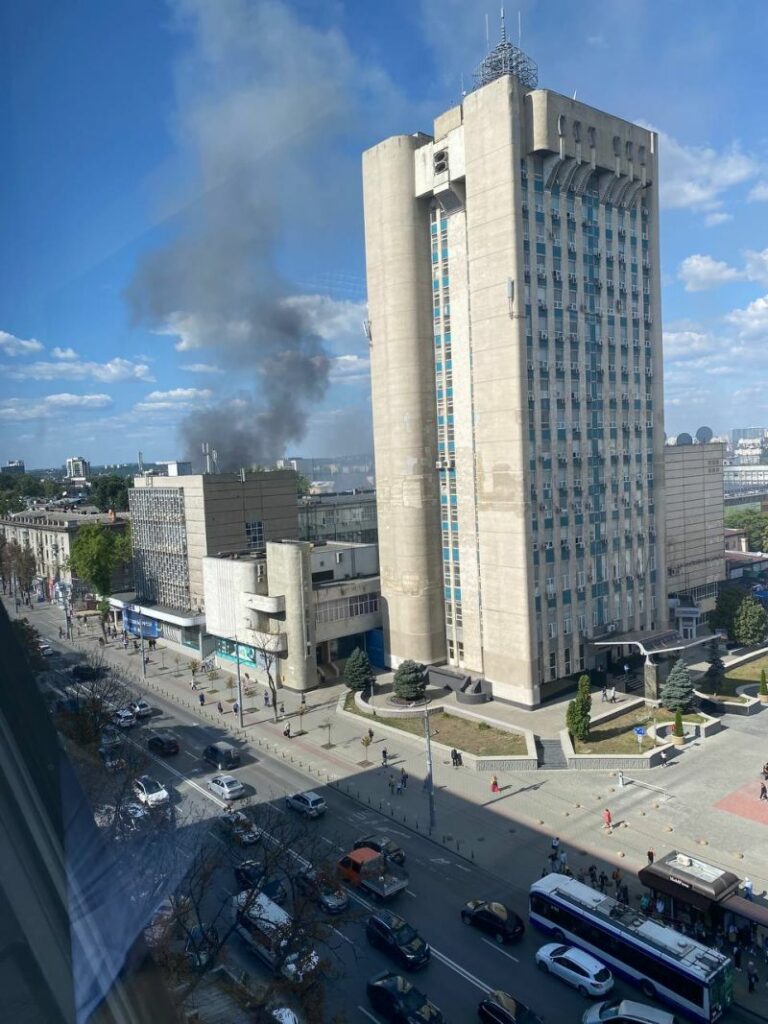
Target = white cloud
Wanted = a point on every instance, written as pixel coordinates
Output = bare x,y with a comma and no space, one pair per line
758,193
757,266
112,372
194,330
10,345
177,400
201,368
699,272
686,345
753,319
49,406
713,219
350,368
695,177
63,353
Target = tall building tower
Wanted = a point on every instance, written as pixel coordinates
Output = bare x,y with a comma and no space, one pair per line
513,288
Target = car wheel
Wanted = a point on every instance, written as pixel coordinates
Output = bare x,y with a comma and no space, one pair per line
647,989
543,966
582,991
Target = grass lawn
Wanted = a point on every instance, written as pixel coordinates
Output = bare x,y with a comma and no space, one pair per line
747,673
452,731
616,736
727,688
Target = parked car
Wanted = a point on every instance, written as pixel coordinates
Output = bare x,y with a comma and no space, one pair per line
124,719
132,818
163,743
323,889
112,758
222,755
577,968
110,737
150,792
502,1008
251,874
239,827
625,1011
201,945
309,804
86,672
140,708
395,937
381,844
227,787
46,650
396,999
495,919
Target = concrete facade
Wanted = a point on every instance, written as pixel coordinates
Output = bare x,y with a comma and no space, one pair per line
513,287
339,517
695,508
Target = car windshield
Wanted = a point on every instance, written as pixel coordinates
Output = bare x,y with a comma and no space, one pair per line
558,951
405,934
603,974
609,1010
151,786
499,910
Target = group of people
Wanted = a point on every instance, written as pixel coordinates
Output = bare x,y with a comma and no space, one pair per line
608,695
398,784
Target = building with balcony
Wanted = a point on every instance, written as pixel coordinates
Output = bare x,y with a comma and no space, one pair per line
514,301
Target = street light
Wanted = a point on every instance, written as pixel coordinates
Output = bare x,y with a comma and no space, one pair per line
429,781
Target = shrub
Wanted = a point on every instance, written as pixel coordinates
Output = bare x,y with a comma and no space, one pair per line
357,671
763,691
677,728
677,690
410,681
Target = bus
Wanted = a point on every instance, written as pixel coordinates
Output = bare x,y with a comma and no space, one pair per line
670,966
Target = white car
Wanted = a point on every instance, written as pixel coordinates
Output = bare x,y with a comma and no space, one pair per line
227,787
124,718
310,804
577,968
150,792
140,708
627,1012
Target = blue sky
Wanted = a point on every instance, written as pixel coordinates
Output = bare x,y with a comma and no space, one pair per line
181,201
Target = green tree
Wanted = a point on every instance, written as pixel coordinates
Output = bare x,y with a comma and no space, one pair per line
577,714
25,568
98,551
763,688
410,681
110,492
753,521
677,728
677,690
716,671
726,606
302,484
357,671
750,622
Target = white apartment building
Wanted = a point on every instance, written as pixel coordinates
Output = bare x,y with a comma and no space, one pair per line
78,469
513,286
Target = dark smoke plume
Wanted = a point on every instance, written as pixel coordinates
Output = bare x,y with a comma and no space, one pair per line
260,98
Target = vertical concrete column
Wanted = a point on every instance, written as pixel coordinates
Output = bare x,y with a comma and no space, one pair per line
290,574
397,236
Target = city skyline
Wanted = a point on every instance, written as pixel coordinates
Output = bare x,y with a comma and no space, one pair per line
84,369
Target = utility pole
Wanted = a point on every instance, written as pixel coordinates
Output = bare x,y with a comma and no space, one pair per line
239,685
429,781
141,634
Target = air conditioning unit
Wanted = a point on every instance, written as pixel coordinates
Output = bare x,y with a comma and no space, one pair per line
440,161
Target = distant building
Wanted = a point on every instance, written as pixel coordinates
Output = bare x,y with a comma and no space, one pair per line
296,610
694,511
15,466
174,468
347,517
744,433
745,479
78,469
50,533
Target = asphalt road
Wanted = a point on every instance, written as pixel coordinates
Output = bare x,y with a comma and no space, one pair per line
465,964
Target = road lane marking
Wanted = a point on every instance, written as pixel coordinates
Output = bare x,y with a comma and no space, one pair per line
411,893
462,868
342,936
325,839
462,971
370,1016
494,945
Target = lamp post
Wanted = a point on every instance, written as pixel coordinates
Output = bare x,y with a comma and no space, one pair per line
429,781
239,685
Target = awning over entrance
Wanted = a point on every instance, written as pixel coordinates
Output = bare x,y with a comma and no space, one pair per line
175,616
747,909
695,883
651,643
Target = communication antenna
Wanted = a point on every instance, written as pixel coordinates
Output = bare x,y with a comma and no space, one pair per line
141,465
206,450
215,458
487,35
503,27
367,331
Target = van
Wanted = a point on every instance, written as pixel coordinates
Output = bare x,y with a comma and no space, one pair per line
267,929
222,755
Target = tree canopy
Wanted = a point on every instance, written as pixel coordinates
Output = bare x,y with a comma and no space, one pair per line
750,623
410,681
677,690
754,522
357,671
726,606
97,552
577,715
110,492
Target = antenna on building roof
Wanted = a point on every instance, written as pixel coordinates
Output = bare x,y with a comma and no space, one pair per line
574,93
215,459
503,27
487,34
141,464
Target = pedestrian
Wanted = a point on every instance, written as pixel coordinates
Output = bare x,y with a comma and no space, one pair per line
555,843
459,759
220,708
624,897
607,819
733,935
235,708
495,785
562,861
752,977
455,758
616,879
612,695
736,956
201,698
404,777
659,906
370,731
763,793
125,643
282,708
603,881
663,757
604,693
384,756
287,730
593,875
193,683
266,698
650,855
391,784
399,787
746,885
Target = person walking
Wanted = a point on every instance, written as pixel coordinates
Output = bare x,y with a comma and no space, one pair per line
399,787
555,844
650,855
495,785
370,731
612,695
607,819
220,708
624,895
384,757
562,861
752,977
747,886
287,730
391,784
235,708
603,881
193,683
604,694
593,876
616,879
455,758
763,792
266,698
404,777
201,699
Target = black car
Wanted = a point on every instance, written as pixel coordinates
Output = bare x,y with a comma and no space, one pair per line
87,673
397,1000
495,919
164,744
395,937
502,1008
381,844
250,874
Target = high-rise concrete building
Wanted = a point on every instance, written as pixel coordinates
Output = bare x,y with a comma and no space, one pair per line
78,468
513,289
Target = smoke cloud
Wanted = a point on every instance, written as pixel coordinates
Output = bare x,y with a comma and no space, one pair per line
262,101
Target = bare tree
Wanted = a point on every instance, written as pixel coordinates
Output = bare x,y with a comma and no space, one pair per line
266,656
96,692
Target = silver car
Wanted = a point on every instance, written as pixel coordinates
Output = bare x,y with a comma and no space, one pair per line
226,787
310,804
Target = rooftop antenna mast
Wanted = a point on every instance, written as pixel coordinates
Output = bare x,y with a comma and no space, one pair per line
206,450
141,464
503,27
215,459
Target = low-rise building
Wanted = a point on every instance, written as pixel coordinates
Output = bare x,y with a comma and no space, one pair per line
14,466
348,516
745,479
295,611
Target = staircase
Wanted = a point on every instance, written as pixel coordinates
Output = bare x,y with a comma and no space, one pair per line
550,754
